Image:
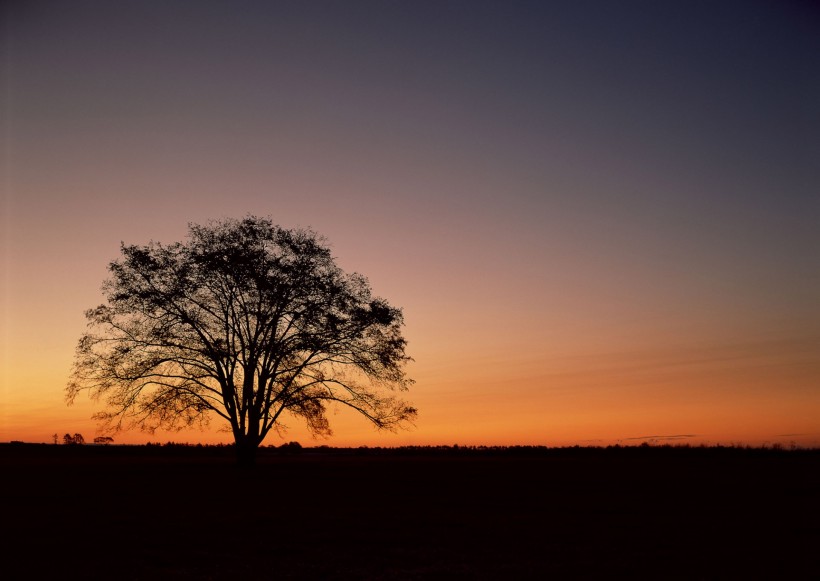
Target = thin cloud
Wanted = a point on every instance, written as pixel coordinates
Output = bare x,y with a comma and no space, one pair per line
672,437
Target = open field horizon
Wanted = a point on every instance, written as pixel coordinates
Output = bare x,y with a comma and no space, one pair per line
293,446
354,434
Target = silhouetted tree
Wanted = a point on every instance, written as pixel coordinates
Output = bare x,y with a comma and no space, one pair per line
291,447
75,439
245,320
104,440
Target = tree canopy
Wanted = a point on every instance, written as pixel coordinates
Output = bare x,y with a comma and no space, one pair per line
245,321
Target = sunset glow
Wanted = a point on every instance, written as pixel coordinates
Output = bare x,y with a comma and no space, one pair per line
600,221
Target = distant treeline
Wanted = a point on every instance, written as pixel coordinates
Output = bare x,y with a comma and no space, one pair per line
290,448
616,449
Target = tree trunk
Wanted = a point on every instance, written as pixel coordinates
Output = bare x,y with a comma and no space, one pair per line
246,452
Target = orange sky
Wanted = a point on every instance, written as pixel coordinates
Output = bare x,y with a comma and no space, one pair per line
597,228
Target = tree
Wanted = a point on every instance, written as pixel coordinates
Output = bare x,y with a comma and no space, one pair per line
104,440
245,321
75,439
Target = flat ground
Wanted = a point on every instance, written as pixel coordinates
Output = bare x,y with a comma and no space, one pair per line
658,513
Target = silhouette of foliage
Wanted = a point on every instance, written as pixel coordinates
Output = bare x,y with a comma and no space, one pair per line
75,439
105,440
246,321
291,448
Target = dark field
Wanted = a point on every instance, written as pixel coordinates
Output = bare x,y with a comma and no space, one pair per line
83,512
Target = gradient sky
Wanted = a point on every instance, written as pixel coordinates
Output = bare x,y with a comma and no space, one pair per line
602,219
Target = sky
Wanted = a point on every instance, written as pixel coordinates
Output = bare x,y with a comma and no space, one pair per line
601,219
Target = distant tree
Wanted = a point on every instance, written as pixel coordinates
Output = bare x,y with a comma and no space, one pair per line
105,440
75,439
244,320
291,447
56,437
